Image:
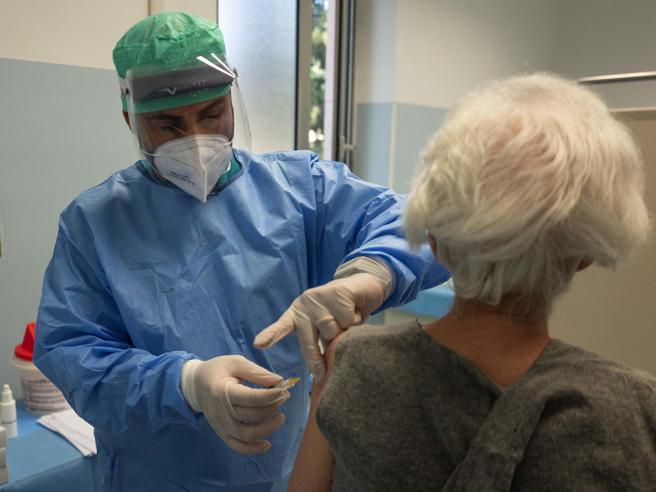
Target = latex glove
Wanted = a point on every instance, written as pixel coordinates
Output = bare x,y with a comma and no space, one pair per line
326,311
240,415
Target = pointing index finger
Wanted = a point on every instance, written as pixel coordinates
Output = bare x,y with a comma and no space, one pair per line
276,331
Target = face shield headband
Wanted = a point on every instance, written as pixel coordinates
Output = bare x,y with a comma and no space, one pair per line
148,89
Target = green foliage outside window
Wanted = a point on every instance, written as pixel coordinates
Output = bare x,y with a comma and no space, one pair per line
318,75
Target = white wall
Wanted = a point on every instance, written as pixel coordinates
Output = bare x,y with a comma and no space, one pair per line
603,37
446,47
375,51
201,8
373,88
78,32
429,52
69,32
414,55
414,58
597,37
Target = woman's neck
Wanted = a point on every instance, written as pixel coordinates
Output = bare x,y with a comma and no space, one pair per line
501,345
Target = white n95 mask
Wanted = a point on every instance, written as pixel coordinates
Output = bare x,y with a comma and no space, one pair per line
194,163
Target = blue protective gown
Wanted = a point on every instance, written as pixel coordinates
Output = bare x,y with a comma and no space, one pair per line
144,277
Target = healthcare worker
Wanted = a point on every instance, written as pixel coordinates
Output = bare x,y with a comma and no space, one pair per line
163,275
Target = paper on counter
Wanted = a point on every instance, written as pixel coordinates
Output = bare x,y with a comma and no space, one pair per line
72,427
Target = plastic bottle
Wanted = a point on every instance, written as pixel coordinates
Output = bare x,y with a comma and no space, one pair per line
4,472
8,411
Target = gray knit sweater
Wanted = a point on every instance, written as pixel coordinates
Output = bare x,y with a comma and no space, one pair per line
402,412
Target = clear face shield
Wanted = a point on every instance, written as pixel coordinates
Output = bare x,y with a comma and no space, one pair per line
186,121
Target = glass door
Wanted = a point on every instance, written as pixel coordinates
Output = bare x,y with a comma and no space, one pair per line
261,42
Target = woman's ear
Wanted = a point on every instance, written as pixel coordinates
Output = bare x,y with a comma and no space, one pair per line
584,263
433,244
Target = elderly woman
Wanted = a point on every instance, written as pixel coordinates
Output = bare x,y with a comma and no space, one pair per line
529,180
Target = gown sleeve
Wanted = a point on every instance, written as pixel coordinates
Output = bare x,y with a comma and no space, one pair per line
83,347
356,218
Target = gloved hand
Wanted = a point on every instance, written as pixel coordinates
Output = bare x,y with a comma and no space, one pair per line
325,311
240,415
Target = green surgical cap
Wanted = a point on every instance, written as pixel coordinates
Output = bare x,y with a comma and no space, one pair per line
165,42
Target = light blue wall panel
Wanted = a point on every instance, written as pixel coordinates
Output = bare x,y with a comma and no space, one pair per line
374,131
61,132
414,126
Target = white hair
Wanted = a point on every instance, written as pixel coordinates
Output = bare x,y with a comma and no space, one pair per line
528,177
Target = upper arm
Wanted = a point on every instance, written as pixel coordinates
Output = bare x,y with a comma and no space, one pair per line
329,357
314,463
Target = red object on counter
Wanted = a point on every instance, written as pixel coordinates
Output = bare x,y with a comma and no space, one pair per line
26,349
